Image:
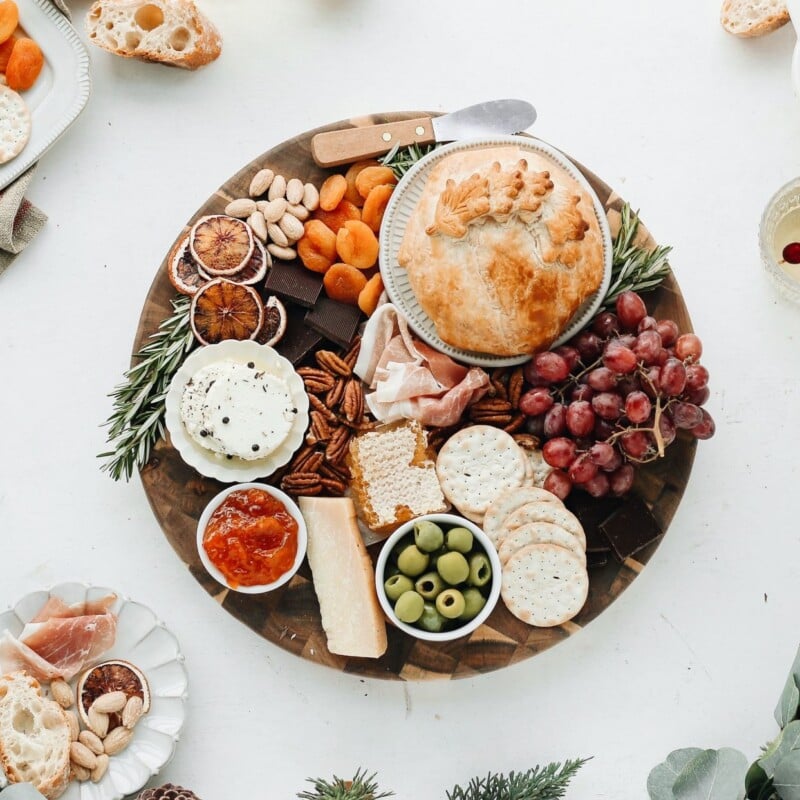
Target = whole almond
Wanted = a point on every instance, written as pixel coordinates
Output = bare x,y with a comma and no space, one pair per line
277,188
74,726
310,197
61,692
259,225
100,769
284,253
291,226
98,722
52,716
92,741
81,755
299,211
261,182
241,208
133,711
117,740
274,209
110,702
80,773
276,234
294,191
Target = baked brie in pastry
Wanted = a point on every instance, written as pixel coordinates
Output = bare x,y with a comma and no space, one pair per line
502,249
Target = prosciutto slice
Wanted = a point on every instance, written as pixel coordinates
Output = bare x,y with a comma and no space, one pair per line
410,379
56,607
14,655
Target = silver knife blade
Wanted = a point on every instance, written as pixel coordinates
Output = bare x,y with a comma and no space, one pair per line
484,119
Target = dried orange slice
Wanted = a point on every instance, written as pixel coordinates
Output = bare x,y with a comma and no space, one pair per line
111,676
224,310
275,320
256,268
184,274
221,245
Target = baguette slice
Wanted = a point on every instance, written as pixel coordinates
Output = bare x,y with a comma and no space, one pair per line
34,736
746,18
169,31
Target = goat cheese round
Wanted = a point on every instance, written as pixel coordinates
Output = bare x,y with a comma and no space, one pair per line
237,410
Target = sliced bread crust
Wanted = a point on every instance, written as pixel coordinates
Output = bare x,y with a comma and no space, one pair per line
747,18
171,32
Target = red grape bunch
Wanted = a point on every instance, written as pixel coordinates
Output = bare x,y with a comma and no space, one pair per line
614,396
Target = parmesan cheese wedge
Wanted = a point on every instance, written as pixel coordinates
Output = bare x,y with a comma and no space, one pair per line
344,579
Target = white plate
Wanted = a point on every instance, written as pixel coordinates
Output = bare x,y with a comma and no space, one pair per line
145,642
62,88
403,202
212,465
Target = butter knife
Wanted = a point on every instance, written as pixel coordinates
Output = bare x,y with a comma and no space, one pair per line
485,119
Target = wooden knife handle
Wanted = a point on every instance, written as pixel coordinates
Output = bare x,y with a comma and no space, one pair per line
352,144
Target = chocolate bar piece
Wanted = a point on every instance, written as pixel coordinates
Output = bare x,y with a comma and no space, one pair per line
592,512
292,281
596,560
334,320
299,340
631,528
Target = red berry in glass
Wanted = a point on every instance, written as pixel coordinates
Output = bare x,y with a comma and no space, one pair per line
791,253
631,309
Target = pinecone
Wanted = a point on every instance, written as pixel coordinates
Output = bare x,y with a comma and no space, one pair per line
168,792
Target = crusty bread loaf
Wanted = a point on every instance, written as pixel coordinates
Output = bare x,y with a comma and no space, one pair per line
747,18
34,736
169,31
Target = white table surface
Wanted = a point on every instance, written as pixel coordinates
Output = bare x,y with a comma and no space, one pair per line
693,126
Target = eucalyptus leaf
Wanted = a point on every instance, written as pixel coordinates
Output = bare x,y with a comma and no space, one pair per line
662,778
787,776
712,775
788,740
755,781
786,710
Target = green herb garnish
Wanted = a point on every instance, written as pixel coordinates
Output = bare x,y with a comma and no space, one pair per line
360,787
401,159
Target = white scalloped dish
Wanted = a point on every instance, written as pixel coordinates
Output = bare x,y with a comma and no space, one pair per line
231,469
145,642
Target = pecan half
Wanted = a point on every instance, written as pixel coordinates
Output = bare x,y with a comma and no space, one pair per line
334,396
517,422
351,356
489,406
334,486
300,458
498,389
323,409
316,381
527,441
353,400
338,445
515,383
304,483
339,473
320,429
328,360
491,418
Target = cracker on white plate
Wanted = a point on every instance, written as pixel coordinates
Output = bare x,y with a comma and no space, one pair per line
15,124
538,533
508,501
544,585
477,463
544,512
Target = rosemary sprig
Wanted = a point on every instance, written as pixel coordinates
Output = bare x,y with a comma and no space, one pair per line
401,159
538,783
361,787
137,421
634,268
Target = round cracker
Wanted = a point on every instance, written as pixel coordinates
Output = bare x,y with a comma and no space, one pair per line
544,585
477,463
15,124
540,469
508,502
544,512
538,533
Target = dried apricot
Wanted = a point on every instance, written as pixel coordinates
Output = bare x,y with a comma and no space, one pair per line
317,248
350,176
9,18
5,52
357,245
331,192
336,218
344,283
375,205
24,65
371,294
371,177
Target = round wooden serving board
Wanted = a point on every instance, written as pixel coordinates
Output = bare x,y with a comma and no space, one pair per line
289,617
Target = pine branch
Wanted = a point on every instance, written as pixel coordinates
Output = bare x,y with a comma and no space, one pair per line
361,787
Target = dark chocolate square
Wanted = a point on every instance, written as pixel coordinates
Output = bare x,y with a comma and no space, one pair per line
631,528
592,512
299,340
334,320
292,281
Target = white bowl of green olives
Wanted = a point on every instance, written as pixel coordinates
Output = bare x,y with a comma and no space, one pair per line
438,577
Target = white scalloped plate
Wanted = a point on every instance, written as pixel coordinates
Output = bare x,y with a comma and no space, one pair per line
206,462
62,88
145,642
403,202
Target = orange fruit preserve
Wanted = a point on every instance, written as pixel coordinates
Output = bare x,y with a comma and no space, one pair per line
251,538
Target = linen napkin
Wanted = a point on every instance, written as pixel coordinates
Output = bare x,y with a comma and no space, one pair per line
20,220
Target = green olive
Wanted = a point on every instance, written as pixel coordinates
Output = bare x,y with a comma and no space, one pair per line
412,561
431,620
480,570
474,602
459,539
429,585
397,585
400,546
428,535
450,603
408,607
453,567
